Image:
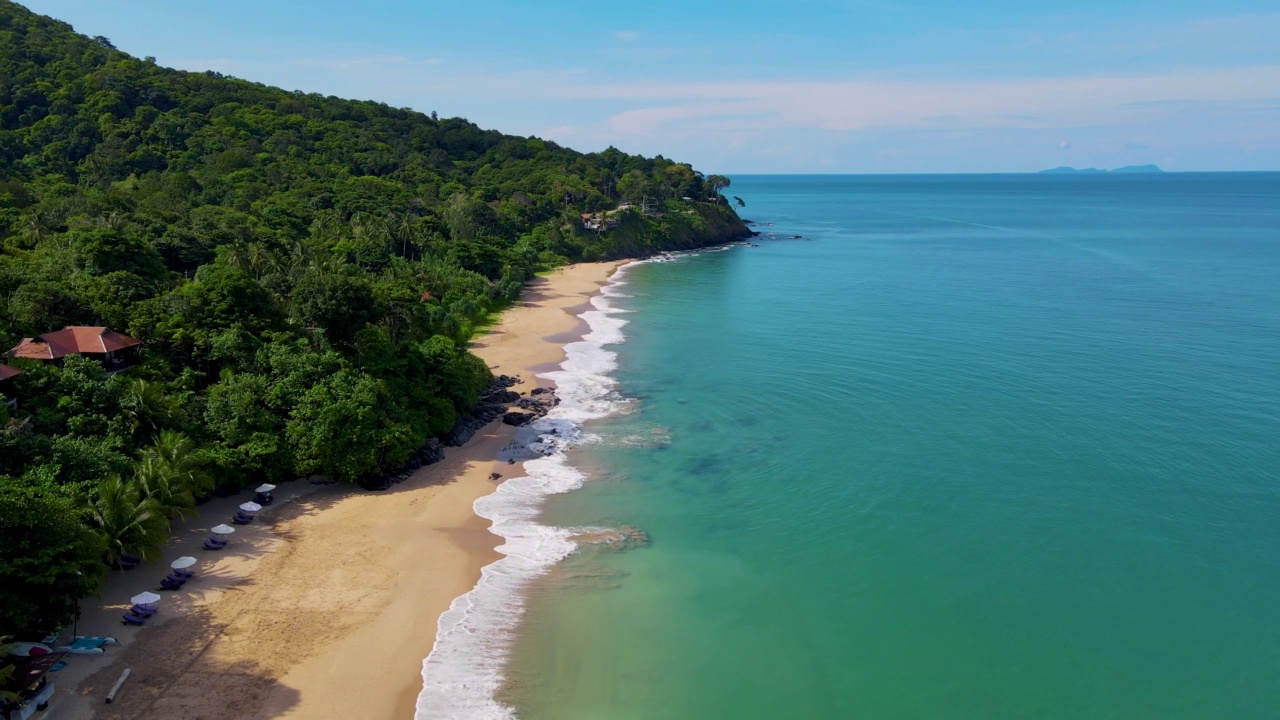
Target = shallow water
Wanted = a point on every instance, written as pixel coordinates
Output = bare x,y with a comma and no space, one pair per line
975,447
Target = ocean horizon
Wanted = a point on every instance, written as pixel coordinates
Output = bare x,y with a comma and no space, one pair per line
938,446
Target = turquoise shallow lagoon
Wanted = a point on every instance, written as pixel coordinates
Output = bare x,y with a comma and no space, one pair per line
974,447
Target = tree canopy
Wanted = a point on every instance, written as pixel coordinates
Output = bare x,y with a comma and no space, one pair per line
304,273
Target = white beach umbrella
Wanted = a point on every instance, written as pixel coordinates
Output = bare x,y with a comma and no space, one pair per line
265,487
223,529
183,563
251,507
145,598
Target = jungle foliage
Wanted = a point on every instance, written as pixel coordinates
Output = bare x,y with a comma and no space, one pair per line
303,271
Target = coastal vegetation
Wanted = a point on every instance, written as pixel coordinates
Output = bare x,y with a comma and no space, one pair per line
303,272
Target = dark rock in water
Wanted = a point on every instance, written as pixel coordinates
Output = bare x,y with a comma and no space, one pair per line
705,466
511,461
495,476
541,391
518,418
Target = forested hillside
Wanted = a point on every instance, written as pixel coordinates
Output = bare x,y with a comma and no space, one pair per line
303,273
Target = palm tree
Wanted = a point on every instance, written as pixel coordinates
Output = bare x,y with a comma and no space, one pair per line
171,473
236,256
262,261
111,221
148,408
126,521
300,258
35,227
405,229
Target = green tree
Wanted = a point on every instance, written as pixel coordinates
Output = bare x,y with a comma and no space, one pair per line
148,408
715,184
340,305
172,473
126,521
338,430
48,560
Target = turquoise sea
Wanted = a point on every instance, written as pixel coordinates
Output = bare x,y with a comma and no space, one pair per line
972,447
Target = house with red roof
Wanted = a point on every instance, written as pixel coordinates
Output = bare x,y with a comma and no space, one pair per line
103,344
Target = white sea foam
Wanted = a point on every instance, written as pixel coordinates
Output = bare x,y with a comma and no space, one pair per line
464,671
465,668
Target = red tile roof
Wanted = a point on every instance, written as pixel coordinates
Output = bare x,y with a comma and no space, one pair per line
8,371
72,340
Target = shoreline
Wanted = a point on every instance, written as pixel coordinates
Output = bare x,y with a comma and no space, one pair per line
337,607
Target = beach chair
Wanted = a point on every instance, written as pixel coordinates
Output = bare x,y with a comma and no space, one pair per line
183,573
87,645
144,611
168,584
263,498
211,545
130,619
241,519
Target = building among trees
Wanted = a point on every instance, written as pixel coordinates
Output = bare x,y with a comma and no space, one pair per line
99,343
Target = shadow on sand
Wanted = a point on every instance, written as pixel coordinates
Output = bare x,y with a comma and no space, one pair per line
176,675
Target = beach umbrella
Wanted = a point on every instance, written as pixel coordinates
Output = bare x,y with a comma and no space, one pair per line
265,487
183,563
145,598
251,507
223,529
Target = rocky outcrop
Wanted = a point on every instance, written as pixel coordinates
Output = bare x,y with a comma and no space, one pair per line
493,404
518,418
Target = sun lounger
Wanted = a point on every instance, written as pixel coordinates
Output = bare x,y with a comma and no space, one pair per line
143,611
168,584
241,519
88,645
183,573
263,498
131,619
211,545
94,640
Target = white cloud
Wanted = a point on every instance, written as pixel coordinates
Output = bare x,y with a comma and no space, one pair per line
1208,110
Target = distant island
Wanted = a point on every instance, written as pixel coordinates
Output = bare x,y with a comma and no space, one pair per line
1127,169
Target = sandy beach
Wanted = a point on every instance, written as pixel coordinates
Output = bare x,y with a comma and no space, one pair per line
327,607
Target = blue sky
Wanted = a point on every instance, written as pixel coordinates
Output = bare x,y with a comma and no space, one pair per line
767,86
